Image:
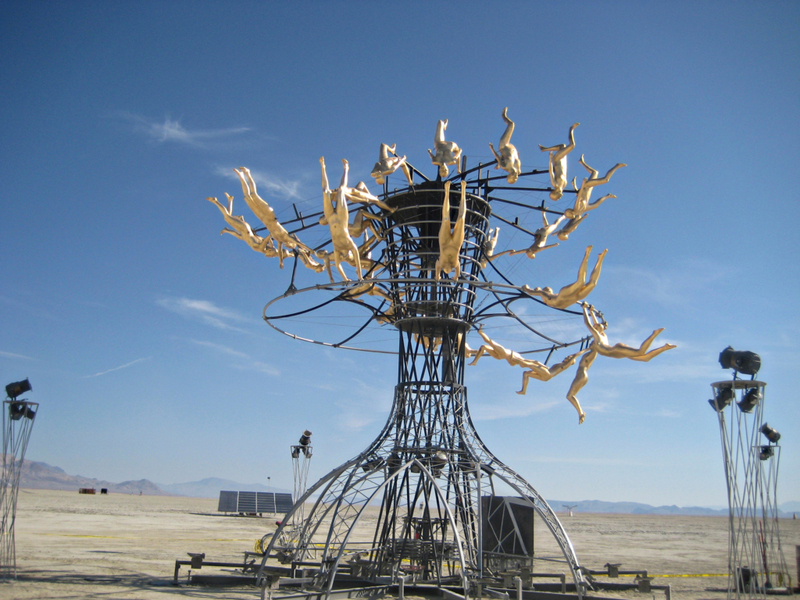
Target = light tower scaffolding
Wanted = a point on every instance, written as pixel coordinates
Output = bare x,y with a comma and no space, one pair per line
18,416
756,565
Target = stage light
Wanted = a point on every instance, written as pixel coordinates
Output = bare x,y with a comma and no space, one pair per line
305,439
744,361
751,398
771,434
766,452
18,388
17,410
723,399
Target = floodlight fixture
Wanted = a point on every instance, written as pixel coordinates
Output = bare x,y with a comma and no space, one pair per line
295,451
766,452
18,388
724,398
305,439
18,410
743,361
771,434
308,451
751,398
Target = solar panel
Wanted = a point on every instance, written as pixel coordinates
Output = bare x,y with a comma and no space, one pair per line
228,501
265,502
247,502
283,503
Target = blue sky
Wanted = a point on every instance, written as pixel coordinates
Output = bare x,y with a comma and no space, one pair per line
140,327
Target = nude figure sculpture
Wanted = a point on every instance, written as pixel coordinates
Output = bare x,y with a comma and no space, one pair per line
582,204
451,239
558,164
508,157
569,227
533,368
539,238
387,165
572,293
266,215
241,230
334,204
600,345
446,153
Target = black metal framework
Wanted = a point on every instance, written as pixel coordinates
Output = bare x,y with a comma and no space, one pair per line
428,469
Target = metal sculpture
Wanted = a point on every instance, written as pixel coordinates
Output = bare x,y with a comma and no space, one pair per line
18,416
430,271
756,564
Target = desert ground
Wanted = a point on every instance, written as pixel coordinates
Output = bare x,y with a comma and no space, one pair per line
124,547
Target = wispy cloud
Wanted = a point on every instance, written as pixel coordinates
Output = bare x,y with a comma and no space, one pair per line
172,131
220,348
205,312
12,355
119,368
268,184
247,362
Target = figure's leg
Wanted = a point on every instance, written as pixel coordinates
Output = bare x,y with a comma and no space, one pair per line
592,172
444,228
480,352
345,171
506,137
596,271
598,202
610,173
584,265
406,171
654,353
646,344
525,376
325,187
566,149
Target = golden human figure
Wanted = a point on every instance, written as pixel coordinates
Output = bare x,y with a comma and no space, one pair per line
569,227
539,238
241,229
266,215
451,239
537,370
533,368
446,153
387,165
508,157
572,293
334,204
581,377
488,246
558,164
582,204
497,351
601,345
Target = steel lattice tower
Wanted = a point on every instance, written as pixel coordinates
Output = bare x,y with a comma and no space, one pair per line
428,468
755,558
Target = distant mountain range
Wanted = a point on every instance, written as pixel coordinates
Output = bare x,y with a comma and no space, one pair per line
39,475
